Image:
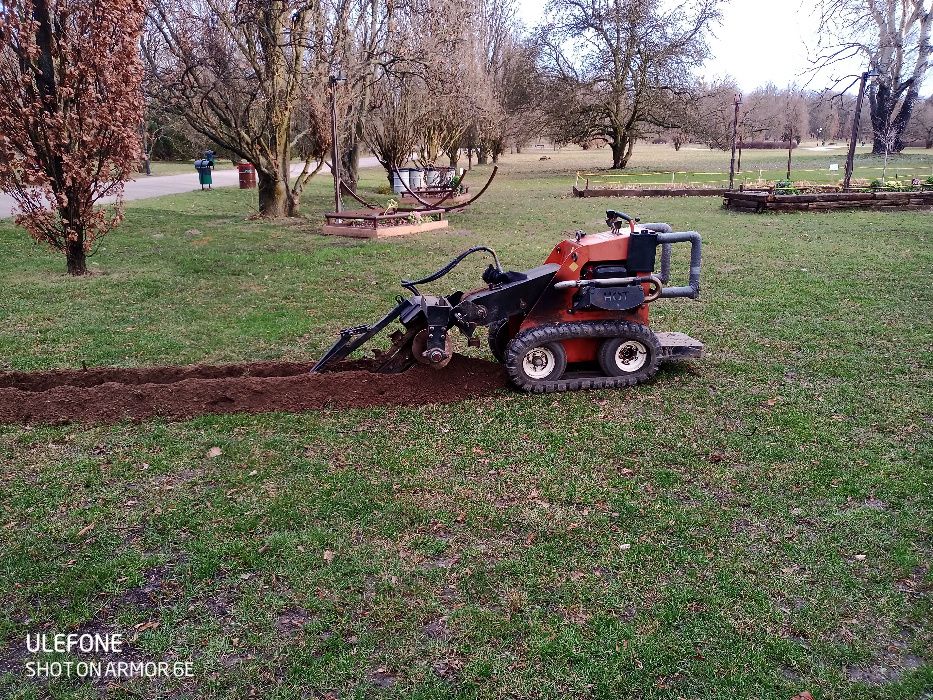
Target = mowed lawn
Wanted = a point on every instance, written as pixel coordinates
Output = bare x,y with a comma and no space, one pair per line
752,525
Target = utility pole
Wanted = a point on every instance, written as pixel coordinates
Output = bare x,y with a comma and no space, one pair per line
335,78
850,160
735,135
790,147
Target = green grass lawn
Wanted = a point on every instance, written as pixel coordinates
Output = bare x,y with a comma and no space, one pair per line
751,525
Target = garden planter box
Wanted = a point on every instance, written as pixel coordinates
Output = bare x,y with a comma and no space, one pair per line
756,202
371,224
645,192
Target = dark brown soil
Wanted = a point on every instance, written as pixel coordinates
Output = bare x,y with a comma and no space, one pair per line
107,395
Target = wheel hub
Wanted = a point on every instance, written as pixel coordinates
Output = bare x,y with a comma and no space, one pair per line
538,363
631,356
435,358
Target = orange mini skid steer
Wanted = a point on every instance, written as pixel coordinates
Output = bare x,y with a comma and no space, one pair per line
579,321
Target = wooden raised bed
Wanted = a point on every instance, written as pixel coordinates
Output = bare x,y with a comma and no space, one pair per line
757,202
654,192
373,224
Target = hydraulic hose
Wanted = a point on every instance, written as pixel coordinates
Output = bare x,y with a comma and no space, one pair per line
692,290
410,284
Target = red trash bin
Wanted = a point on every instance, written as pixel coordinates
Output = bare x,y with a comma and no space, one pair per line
247,176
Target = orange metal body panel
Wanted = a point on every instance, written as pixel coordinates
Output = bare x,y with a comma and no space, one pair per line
555,305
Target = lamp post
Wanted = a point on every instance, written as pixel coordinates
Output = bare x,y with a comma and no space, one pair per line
336,77
850,159
735,135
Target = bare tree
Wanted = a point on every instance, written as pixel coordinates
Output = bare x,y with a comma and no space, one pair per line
708,117
921,127
893,38
889,138
156,127
371,38
830,114
446,38
236,72
624,62
506,83
391,130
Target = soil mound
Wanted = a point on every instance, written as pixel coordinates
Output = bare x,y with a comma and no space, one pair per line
104,395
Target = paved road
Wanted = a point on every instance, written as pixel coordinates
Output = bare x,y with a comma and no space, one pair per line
156,186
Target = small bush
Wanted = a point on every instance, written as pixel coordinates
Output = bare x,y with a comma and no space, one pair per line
785,187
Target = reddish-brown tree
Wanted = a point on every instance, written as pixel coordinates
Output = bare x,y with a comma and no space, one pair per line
70,112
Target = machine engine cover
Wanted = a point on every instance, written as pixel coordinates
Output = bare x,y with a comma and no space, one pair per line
609,298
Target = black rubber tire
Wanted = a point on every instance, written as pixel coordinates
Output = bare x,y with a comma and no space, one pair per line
499,339
557,333
628,332
516,370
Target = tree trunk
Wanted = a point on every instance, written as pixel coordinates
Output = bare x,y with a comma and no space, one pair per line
76,257
274,200
887,132
482,156
621,145
903,118
629,149
350,164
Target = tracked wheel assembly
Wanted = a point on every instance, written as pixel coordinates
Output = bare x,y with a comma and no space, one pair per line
632,351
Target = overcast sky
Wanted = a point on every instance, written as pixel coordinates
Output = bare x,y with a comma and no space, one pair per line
756,43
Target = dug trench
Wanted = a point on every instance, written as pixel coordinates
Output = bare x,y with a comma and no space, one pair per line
104,395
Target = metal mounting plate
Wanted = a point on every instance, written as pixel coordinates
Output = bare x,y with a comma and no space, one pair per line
677,346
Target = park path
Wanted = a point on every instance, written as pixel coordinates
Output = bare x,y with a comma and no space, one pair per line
155,186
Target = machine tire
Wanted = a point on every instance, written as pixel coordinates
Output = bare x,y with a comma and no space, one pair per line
499,339
518,357
633,353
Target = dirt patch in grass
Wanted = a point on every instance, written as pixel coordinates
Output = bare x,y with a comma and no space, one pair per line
894,661
107,395
43,381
